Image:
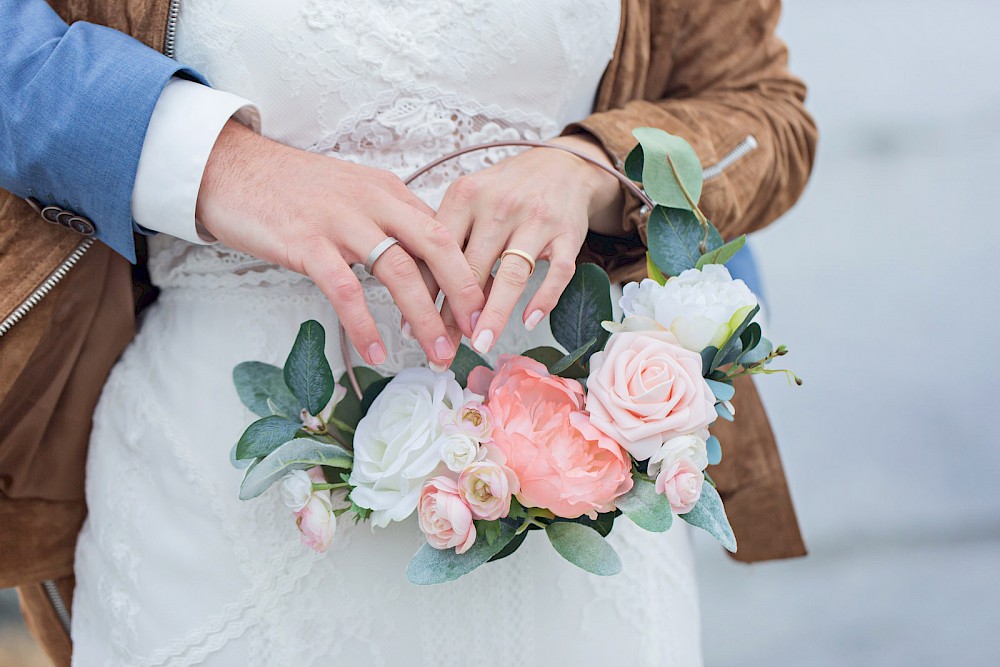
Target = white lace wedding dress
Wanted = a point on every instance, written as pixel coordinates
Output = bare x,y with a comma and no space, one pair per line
173,569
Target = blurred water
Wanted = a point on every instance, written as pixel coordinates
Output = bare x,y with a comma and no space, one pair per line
880,282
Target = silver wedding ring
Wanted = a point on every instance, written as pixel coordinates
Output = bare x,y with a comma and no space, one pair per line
378,251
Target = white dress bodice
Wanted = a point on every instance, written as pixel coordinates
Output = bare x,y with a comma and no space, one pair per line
172,568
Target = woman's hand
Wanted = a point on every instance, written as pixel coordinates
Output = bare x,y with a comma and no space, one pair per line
541,202
318,215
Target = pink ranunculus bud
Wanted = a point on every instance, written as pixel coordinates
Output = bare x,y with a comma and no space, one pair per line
316,521
487,487
681,483
473,420
444,516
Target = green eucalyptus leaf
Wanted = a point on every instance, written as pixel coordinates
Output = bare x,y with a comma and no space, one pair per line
723,391
751,336
465,360
307,372
722,356
724,412
265,435
256,382
584,547
714,448
545,355
633,164
710,516
571,359
436,566
603,524
653,271
348,410
663,184
584,304
297,454
645,507
511,547
372,392
707,357
674,236
759,353
723,253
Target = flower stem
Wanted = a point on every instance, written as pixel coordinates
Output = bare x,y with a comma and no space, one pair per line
327,487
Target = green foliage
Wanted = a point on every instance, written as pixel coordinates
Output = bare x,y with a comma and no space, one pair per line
723,253
436,566
603,524
371,393
465,360
645,507
585,303
571,365
297,454
675,237
307,372
489,529
724,412
707,357
710,516
723,391
714,448
733,344
654,272
511,547
265,435
584,547
669,167
761,351
348,410
256,382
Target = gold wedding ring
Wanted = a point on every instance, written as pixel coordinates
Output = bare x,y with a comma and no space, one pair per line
523,255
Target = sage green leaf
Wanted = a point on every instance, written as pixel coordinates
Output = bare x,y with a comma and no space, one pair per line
675,236
663,184
545,354
488,529
759,353
436,566
724,412
584,547
723,253
265,435
584,304
348,410
307,372
572,359
723,391
714,448
645,507
297,454
256,382
465,360
710,516
734,340
707,357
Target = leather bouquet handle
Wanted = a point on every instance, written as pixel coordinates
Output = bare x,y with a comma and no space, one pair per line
622,178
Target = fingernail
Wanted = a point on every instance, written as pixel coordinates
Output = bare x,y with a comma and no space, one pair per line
475,319
437,368
376,354
407,331
443,348
483,341
533,320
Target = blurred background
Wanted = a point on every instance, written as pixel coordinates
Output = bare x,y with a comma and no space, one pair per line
880,283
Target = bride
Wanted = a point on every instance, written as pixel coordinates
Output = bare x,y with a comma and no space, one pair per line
173,569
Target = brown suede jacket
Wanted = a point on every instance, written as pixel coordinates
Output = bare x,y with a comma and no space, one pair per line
711,71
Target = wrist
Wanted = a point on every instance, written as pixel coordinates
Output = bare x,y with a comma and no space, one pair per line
606,198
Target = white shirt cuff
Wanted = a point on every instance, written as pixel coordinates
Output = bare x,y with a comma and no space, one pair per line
183,129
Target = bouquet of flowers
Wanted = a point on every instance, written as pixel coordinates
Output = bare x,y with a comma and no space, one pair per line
560,440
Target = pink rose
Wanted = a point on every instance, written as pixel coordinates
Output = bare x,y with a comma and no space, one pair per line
316,521
444,517
487,487
644,389
681,482
562,462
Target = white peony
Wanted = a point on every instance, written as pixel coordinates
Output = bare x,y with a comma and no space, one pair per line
458,450
691,448
701,308
397,446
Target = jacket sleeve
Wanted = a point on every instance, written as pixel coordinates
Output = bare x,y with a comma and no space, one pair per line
75,102
720,80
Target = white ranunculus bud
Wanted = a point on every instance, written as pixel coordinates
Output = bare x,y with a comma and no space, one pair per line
296,489
701,308
691,448
458,450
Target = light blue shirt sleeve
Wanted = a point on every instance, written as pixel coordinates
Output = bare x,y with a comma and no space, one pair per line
75,102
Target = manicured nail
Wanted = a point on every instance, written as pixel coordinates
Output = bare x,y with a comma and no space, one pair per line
443,348
533,320
407,331
437,368
483,341
376,354
475,319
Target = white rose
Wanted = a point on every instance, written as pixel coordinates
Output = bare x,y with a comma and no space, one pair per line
397,444
691,448
701,308
458,450
296,489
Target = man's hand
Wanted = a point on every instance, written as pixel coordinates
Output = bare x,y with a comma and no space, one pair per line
318,215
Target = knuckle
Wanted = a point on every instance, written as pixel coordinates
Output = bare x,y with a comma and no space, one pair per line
399,264
506,205
438,235
514,272
540,212
562,269
465,188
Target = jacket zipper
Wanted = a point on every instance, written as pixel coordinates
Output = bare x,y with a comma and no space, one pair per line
81,249
58,604
748,145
